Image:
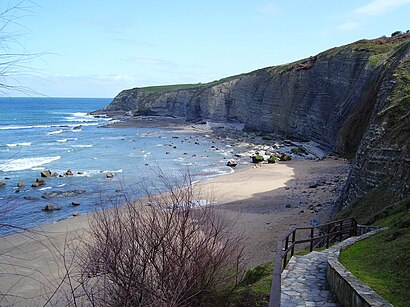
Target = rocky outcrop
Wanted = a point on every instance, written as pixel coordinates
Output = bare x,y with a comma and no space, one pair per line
346,99
383,157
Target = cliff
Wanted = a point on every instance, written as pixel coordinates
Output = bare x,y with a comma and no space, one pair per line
352,100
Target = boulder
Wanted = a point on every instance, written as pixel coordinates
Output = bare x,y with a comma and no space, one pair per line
39,182
54,174
232,163
109,175
68,173
257,159
62,194
30,198
20,184
76,213
75,203
51,207
272,159
2,184
285,157
45,174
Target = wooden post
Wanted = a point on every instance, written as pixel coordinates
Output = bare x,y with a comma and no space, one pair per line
293,243
311,238
328,236
341,231
274,300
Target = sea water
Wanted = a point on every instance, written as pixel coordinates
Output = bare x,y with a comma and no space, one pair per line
58,134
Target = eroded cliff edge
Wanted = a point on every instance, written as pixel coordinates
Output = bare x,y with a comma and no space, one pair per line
352,100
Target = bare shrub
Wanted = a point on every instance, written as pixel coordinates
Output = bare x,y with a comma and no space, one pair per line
162,251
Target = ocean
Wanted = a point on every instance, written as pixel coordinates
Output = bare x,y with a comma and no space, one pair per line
57,134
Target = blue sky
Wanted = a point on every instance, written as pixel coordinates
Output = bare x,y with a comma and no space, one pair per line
90,48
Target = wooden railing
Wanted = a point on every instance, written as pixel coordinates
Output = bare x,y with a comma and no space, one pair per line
312,237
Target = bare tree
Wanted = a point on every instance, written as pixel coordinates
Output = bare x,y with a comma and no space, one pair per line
164,251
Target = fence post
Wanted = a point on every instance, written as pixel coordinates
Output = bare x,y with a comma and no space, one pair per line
341,231
328,236
274,300
311,238
293,243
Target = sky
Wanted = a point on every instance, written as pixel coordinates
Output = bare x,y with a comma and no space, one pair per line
96,48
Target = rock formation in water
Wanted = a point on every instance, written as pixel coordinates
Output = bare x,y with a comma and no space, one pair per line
352,100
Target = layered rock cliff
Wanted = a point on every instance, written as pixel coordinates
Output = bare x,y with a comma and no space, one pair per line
347,99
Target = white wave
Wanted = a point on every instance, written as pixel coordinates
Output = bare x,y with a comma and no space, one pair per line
19,144
117,171
45,188
25,163
62,141
83,146
16,127
55,132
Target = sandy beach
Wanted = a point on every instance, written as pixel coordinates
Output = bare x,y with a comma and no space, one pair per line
264,202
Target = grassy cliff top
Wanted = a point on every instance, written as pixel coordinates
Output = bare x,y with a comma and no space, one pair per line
376,46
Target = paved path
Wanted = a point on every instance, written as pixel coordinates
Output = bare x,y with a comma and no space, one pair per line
304,282
304,279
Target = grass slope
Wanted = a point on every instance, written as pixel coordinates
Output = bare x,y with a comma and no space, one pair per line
382,261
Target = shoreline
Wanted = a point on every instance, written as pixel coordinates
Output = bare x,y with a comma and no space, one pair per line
264,201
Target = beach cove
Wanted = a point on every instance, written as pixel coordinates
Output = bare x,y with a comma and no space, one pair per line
263,200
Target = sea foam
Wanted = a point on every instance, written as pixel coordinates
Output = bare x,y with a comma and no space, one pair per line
25,163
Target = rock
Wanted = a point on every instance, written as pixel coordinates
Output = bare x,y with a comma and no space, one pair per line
118,190
75,203
257,159
68,173
62,194
231,163
55,174
2,184
80,173
38,183
20,184
45,174
76,213
288,206
285,157
109,175
30,198
272,159
51,207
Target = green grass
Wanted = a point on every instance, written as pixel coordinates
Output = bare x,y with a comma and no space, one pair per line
382,261
255,288
177,87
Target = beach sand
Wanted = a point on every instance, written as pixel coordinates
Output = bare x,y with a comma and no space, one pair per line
264,202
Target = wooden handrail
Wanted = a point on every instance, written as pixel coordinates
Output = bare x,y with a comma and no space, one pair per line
339,229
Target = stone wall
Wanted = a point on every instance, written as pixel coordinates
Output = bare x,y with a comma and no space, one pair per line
348,289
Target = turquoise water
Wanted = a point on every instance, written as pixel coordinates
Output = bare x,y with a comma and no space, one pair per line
57,134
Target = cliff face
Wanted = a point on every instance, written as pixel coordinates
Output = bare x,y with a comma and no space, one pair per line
341,98
383,157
